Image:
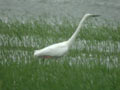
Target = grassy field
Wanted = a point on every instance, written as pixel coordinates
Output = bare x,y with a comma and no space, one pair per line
93,63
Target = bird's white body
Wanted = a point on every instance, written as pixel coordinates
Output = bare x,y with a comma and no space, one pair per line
59,49
55,50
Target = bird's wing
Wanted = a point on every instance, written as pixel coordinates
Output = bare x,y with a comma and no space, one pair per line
58,49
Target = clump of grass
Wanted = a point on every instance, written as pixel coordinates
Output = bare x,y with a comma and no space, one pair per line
92,63
58,76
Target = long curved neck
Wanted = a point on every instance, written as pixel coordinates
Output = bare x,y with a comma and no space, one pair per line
73,37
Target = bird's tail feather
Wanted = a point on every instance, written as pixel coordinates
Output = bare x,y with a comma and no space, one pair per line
35,52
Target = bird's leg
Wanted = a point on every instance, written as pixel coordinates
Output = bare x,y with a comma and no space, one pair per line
43,61
56,59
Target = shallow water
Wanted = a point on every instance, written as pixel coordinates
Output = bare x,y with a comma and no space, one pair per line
83,51
109,9
35,42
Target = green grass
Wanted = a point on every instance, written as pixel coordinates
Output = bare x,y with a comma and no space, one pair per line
92,63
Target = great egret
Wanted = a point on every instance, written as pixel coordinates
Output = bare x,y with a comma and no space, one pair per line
60,49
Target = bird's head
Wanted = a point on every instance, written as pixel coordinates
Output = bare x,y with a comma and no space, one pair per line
91,15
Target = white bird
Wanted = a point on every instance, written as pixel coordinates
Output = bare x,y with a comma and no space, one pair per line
60,49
